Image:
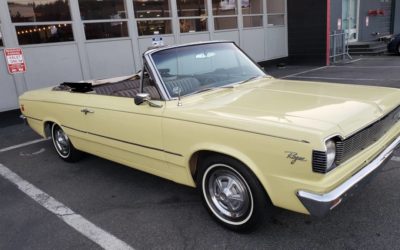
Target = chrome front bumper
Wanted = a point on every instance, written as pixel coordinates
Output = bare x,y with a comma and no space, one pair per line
320,204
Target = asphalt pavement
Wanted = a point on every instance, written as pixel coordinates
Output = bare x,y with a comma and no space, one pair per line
147,212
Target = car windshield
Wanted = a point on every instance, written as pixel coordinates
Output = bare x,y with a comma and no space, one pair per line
196,68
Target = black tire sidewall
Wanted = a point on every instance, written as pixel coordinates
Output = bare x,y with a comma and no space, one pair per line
261,206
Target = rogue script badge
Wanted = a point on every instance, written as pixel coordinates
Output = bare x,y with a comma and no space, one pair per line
294,157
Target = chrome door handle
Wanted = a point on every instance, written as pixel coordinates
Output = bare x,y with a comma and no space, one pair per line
86,111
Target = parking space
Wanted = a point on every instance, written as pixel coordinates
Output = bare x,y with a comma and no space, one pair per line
375,71
146,212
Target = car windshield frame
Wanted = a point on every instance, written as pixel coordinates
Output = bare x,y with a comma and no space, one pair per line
149,56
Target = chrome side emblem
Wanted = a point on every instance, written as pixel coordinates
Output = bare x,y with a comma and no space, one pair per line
294,157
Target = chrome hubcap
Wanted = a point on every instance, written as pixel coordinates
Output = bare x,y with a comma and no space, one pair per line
228,193
61,142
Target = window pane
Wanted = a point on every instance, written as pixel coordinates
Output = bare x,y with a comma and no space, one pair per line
252,7
193,25
191,8
149,27
44,34
276,20
275,6
39,10
104,9
151,8
105,30
223,23
252,21
224,7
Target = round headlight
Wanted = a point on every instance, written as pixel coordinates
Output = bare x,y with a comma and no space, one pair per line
330,154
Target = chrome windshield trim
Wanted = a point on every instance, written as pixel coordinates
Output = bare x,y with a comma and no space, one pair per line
151,51
157,78
321,204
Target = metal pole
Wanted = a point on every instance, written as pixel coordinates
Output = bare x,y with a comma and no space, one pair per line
334,46
344,50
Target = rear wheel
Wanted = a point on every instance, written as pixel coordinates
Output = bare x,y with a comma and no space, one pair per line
398,48
63,145
232,194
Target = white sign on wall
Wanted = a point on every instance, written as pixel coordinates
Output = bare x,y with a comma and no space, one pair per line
15,60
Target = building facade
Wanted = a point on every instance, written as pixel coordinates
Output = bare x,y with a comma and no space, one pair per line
72,40
365,20
317,29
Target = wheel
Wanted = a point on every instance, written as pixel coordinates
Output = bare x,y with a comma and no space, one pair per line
232,194
398,48
63,145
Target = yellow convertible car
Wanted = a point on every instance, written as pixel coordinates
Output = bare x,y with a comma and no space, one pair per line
206,116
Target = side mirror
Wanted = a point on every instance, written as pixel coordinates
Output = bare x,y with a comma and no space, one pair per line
145,97
141,98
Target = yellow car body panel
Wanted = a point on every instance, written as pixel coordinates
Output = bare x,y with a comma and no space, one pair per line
258,123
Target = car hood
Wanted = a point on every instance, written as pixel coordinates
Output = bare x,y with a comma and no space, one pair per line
278,107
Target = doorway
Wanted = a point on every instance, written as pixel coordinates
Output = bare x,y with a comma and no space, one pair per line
350,17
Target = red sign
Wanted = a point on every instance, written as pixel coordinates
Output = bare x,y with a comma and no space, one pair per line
15,60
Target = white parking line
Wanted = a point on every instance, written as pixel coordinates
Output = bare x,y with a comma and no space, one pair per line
352,61
23,144
303,72
396,158
76,221
366,67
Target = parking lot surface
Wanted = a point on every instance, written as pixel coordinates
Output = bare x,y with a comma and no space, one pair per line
146,212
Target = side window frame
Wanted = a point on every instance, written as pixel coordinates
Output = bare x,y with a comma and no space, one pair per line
147,73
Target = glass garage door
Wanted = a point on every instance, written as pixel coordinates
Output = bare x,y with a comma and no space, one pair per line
350,9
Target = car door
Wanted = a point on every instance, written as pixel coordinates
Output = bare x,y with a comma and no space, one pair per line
121,131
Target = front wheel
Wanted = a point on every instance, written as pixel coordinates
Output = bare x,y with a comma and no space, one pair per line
232,194
63,145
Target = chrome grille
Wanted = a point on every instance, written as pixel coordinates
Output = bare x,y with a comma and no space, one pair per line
356,143
365,138
319,162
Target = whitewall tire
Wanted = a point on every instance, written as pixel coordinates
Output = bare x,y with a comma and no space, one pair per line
63,145
232,194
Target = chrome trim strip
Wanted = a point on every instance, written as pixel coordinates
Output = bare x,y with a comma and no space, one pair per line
320,204
29,117
151,51
148,63
131,143
100,108
156,75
